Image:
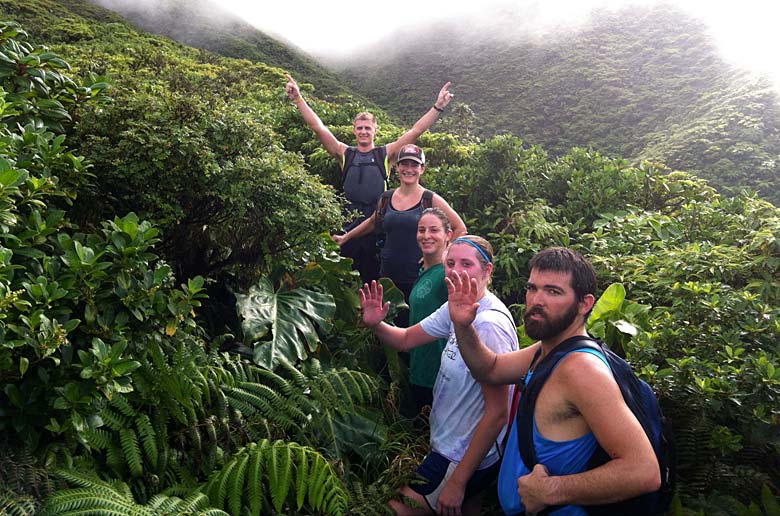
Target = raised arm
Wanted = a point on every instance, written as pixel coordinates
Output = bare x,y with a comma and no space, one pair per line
458,226
374,313
334,147
485,365
423,124
632,469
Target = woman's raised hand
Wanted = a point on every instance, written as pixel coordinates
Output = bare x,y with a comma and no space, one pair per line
462,297
374,311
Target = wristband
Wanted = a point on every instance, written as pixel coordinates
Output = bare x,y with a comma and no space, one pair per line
437,108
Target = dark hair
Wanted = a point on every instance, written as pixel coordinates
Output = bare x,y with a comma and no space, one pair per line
445,221
563,259
479,242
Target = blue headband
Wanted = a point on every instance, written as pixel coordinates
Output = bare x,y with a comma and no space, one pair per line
475,246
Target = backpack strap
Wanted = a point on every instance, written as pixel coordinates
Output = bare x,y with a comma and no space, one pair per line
427,199
379,214
380,155
533,383
346,161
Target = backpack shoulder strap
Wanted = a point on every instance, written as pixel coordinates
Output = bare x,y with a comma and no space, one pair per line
537,377
427,199
346,162
380,155
379,214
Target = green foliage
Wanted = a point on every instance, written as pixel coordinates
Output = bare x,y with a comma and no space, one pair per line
13,505
643,83
276,474
288,316
105,368
94,496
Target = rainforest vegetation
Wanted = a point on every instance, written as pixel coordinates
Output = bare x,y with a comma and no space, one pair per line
179,336
644,83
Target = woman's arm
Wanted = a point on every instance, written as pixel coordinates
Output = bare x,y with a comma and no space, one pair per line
493,420
374,313
364,228
458,226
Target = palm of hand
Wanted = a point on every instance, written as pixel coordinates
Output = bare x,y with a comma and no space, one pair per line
462,298
371,305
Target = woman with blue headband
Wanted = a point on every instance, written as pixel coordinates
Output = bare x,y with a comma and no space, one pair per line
467,419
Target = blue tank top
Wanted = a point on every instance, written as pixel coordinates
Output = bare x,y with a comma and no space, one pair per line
400,257
560,458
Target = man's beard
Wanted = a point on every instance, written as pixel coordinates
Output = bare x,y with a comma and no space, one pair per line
546,327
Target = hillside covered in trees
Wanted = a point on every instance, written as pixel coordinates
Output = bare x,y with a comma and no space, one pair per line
641,83
178,335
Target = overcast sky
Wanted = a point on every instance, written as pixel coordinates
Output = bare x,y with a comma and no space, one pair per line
746,31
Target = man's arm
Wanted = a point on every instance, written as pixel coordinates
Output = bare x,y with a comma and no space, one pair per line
374,313
485,365
334,147
633,468
423,124
493,420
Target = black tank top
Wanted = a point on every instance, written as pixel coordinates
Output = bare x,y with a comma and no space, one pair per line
401,254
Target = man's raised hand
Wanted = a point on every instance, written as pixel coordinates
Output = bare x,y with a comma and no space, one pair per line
462,298
374,311
444,97
293,92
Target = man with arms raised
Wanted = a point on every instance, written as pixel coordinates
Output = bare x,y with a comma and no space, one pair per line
364,168
579,406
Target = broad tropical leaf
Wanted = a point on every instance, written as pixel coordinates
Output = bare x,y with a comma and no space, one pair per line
289,316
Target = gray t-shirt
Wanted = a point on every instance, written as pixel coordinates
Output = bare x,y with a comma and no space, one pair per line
458,404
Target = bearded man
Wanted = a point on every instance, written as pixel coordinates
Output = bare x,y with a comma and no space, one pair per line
579,407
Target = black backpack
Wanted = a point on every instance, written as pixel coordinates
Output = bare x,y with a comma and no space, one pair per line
384,200
639,397
349,158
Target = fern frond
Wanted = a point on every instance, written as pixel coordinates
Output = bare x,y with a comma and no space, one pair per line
121,404
85,480
16,505
132,452
255,476
97,438
301,476
279,473
235,484
148,438
113,420
319,472
264,470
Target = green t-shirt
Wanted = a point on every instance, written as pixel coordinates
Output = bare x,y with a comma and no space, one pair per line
428,294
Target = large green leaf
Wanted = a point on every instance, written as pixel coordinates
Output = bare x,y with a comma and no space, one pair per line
289,316
610,301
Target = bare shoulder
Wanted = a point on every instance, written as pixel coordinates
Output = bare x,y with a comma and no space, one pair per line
582,372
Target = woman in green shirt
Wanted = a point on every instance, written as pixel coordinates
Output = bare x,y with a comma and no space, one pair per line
428,293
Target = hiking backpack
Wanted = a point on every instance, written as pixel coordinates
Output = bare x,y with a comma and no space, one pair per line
384,200
349,158
639,397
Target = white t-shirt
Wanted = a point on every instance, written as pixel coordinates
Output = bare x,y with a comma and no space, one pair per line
458,404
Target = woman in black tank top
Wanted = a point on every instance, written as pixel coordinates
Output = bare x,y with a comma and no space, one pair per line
400,257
